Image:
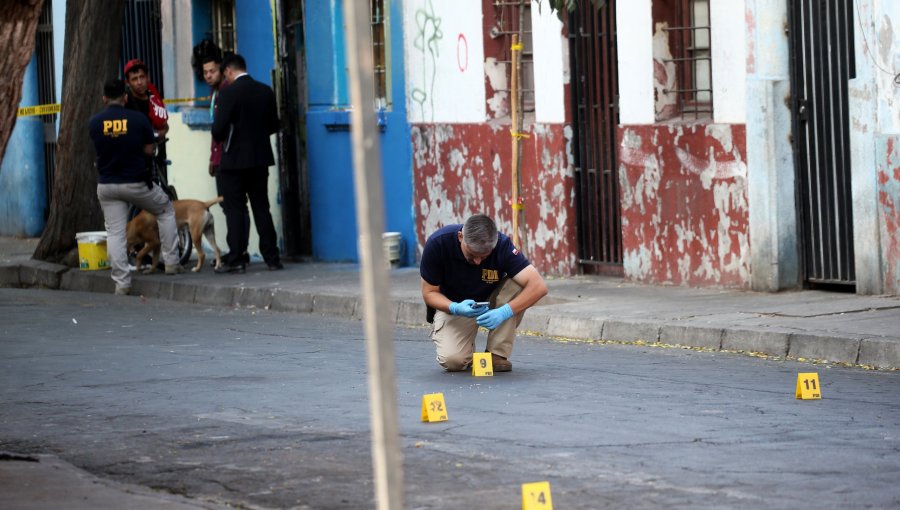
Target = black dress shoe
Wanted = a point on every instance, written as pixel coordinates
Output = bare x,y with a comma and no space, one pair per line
275,266
236,268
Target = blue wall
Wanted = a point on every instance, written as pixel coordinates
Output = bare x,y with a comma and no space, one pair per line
201,16
332,202
255,39
22,181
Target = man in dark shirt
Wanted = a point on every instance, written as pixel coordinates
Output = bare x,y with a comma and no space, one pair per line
464,265
246,116
145,98
122,139
212,74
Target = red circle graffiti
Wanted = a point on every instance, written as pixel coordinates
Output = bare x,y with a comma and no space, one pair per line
462,60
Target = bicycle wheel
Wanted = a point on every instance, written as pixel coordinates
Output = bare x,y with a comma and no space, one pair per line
183,246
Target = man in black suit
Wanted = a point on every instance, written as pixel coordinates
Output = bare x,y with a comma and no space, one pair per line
246,115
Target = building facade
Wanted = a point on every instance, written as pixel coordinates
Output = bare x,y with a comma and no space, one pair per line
750,144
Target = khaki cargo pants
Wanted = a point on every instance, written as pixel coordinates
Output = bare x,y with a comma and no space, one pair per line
454,336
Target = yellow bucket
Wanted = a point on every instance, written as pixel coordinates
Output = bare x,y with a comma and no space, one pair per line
92,250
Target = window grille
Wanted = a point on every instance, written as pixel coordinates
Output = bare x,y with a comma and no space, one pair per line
508,16
46,76
141,38
223,30
381,52
692,58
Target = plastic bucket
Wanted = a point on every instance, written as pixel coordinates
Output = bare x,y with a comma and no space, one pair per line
92,250
391,242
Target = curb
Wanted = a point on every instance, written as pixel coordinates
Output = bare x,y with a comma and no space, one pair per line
550,321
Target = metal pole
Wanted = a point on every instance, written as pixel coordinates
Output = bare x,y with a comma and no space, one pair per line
387,457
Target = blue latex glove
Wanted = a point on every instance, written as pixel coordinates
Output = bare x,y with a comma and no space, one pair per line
467,308
491,319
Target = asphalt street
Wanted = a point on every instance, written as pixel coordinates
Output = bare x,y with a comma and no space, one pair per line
263,409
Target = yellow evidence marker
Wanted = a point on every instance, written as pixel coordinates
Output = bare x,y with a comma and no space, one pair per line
482,364
433,408
808,387
536,496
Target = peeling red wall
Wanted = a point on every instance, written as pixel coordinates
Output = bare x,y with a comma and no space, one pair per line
889,205
463,169
684,204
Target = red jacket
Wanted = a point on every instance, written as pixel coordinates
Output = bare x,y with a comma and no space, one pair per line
215,148
158,114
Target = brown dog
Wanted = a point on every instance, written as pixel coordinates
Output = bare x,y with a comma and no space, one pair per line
143,229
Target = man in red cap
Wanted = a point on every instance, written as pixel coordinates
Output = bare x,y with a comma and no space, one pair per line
145,98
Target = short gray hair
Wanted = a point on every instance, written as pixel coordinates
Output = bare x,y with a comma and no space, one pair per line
480,233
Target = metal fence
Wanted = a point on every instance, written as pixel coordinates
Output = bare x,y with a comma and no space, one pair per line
142,38
46,78
821,38
594,63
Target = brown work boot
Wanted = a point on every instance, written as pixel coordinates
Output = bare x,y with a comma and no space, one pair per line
500,363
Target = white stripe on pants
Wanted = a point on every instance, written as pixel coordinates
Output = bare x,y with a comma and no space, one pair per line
115,200
454,335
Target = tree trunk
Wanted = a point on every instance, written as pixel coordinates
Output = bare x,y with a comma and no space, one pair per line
17,30
93,30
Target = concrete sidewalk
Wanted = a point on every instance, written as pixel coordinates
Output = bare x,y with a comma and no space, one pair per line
812,325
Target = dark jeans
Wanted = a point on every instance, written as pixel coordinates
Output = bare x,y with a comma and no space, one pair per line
236,186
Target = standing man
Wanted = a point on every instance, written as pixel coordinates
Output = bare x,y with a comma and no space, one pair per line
464,265
146,99
246,116
122,139
212,74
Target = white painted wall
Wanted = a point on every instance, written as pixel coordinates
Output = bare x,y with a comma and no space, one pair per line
444,61
774,255
59,36
634,19
177,43
873,105
189,173
883,40
729,61
550,61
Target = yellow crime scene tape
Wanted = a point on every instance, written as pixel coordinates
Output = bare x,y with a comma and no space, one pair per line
185,100
48,109
44,109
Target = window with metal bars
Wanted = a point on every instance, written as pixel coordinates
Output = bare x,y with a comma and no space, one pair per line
223,29
46,77
381,52
684,82
509,16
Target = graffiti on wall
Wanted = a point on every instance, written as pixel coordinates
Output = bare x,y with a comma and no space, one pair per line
425,42
684,204
444,72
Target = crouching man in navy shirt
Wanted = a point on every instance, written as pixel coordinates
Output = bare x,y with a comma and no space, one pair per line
463,265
